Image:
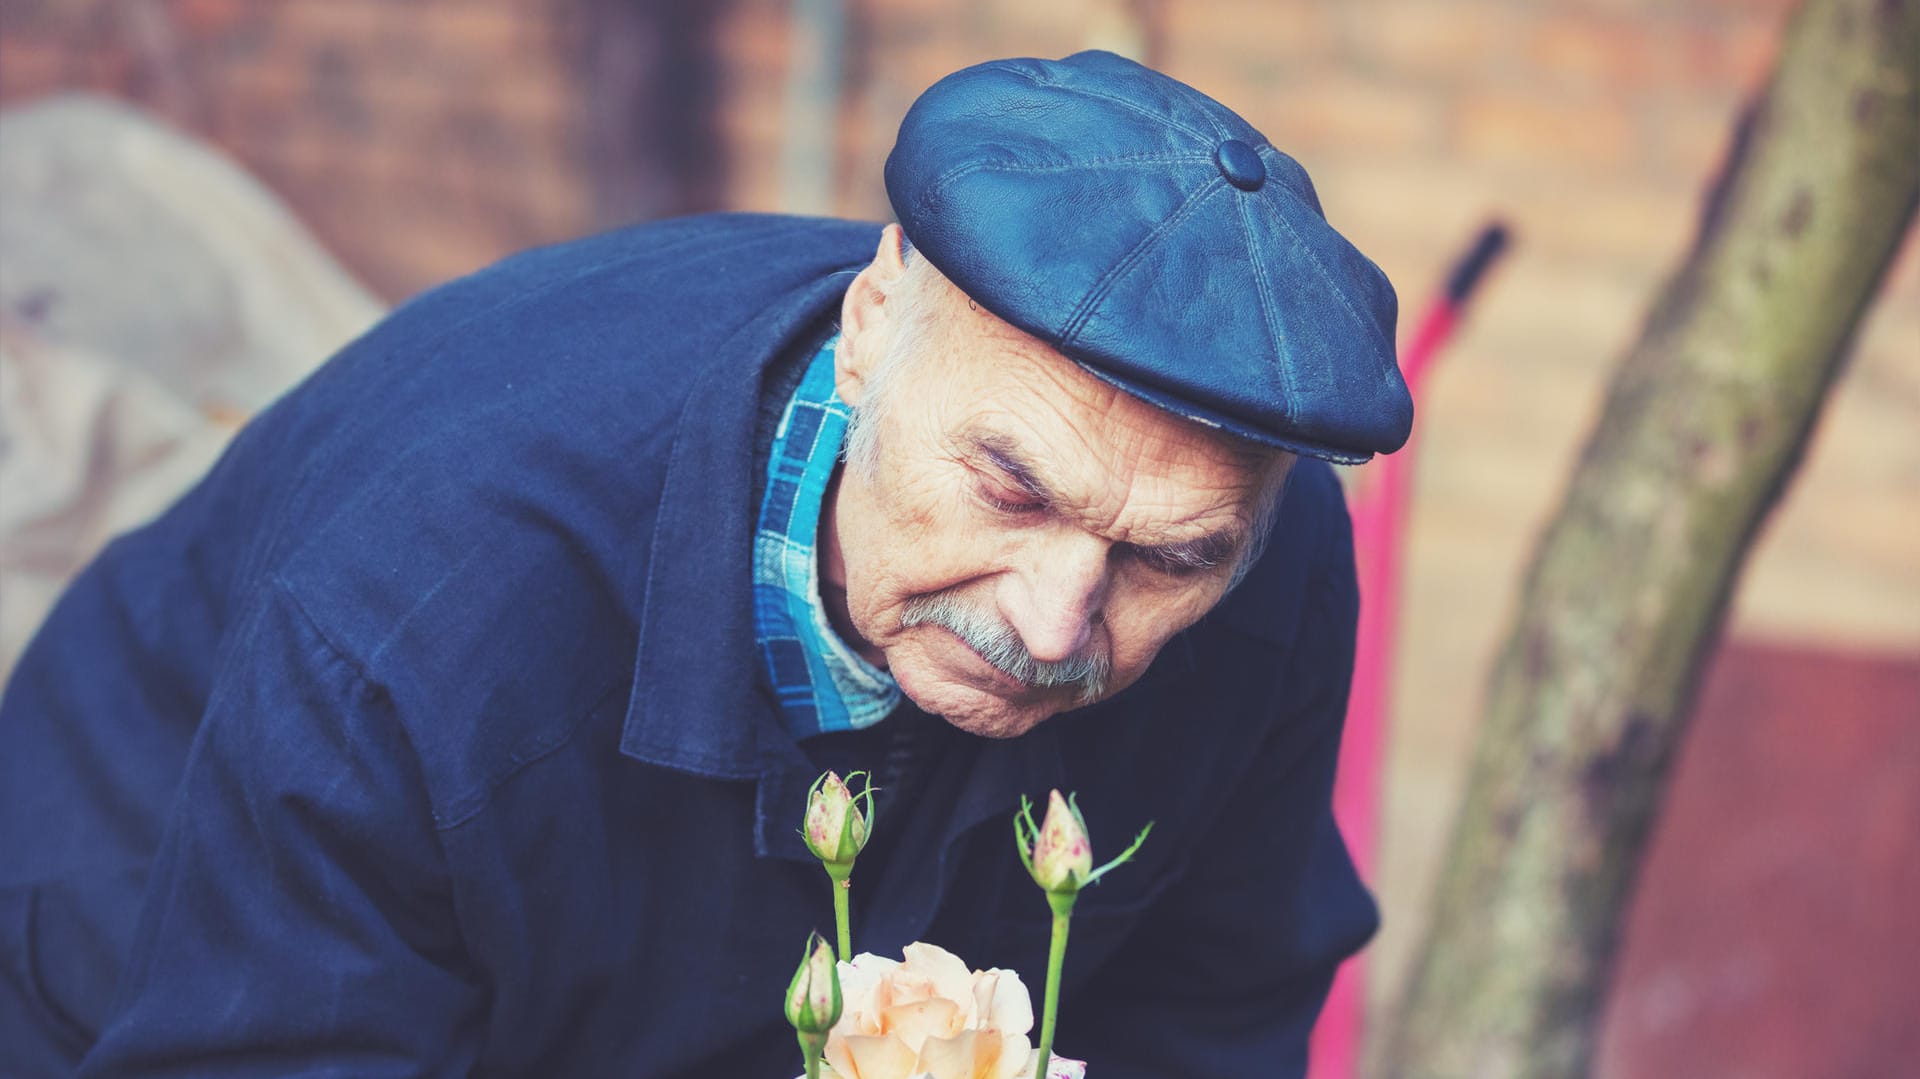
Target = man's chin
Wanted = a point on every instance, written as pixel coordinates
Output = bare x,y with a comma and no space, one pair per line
990,725
976,711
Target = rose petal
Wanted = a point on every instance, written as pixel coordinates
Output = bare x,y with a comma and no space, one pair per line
1017,1057
931,1018
950,976
861,982
907,986
980,1001
967,1055
875,1058
1062,1068
835,1055
913,1024
1010,1008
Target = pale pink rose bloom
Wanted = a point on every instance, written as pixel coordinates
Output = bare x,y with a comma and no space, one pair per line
931,1018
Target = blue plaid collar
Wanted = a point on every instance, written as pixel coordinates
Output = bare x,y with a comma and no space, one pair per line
820,683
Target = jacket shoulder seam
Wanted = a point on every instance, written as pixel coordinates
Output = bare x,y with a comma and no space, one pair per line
457,809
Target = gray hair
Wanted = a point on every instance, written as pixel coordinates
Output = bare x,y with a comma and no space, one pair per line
915,302
1266,512
1000,645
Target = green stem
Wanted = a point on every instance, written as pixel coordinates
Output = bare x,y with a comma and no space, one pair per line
842,875
1062,904
810,1047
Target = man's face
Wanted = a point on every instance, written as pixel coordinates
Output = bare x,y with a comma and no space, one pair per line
1026,537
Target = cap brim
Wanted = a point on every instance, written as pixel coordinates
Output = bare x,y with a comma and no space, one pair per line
1221,422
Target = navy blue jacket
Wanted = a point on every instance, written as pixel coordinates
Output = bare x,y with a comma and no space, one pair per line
425,736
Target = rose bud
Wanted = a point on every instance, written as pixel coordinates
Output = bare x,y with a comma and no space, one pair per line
1060,858
813,999
836,825
835,830
1062,854
836,822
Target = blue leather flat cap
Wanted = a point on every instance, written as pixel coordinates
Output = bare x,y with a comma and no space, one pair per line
1156,238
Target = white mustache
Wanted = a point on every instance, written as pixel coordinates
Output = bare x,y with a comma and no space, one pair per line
1001,647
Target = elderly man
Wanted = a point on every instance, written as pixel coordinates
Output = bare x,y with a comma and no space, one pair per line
460,720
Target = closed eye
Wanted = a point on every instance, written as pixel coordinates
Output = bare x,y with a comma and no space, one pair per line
1197,556
1007,482
1010,502
1173,562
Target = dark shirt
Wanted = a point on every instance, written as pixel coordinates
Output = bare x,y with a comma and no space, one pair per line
424,737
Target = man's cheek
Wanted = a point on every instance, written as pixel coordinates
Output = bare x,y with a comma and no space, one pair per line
946,548
914,499
1138,638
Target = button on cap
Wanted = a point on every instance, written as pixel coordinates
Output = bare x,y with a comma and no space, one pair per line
1240,165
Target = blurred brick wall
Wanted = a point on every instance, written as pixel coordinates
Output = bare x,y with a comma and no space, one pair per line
419,138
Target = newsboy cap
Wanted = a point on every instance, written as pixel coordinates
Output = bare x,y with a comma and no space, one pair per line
1150,234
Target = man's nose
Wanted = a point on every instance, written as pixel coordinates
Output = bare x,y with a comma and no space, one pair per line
1056,602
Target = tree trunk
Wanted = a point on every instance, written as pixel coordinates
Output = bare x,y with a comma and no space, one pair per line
1705,421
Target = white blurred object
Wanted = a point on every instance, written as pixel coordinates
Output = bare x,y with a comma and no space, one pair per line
152,295
88,449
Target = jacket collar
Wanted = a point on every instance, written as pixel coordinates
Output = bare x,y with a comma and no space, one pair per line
696,705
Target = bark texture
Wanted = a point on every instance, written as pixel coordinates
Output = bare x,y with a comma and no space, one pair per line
1704,423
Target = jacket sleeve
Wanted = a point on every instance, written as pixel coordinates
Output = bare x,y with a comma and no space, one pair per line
297,920
1232,964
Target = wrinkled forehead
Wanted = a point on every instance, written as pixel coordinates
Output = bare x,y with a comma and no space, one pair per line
1004,387
1022,404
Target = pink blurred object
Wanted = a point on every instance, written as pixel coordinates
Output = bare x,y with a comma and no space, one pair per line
1379,510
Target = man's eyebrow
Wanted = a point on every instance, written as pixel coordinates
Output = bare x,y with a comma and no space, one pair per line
1202,552
1004,454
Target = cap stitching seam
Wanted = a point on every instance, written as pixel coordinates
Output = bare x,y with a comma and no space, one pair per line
1309,199
1183,157
941,182
1213,122
1120,101
1137,110
1084,310
1263,287
1327,278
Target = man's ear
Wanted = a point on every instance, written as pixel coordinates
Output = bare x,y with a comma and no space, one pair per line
865,319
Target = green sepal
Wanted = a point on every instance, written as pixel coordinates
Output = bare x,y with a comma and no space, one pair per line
848,851
811,1046
1123,856
1024,834
799,1004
